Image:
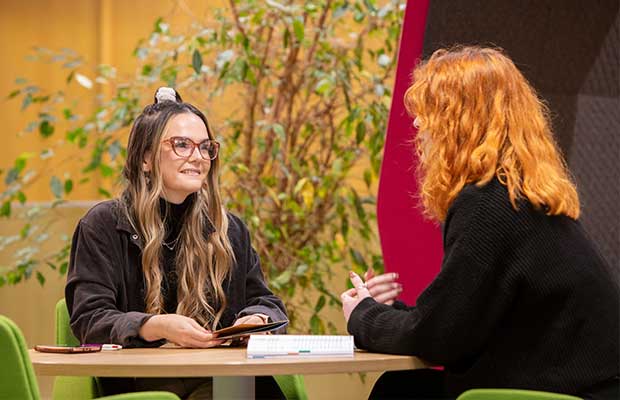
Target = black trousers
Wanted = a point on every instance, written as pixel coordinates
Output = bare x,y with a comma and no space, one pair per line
428,384
418,384
265,386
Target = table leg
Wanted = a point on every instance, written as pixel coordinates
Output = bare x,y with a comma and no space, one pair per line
233,387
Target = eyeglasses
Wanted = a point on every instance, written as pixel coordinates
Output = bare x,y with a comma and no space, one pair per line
184,147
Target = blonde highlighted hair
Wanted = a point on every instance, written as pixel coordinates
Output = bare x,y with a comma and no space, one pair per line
203,262
479,118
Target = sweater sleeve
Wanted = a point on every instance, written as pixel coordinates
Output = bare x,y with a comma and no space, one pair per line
456,313
92,287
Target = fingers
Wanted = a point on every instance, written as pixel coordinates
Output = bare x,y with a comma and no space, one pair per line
369,274
358,284
377,290
349,293
199,340
381,279
388,297
196,325
242,320
249,319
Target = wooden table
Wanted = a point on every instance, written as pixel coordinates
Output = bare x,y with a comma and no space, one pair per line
215,362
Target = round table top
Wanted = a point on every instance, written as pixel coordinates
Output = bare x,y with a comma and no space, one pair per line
178,362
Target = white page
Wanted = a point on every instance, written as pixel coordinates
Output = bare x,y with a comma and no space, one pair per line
262,346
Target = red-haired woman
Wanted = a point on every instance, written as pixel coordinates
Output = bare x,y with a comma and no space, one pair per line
523,299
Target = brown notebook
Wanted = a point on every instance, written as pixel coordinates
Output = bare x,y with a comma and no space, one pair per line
247,329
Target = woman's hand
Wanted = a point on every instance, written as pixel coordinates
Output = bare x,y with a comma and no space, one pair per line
383,288
252,319
352,297
179,329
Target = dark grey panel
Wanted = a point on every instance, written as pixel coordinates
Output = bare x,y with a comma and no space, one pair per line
570,52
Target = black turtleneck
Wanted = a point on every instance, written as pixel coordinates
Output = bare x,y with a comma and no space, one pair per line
174,217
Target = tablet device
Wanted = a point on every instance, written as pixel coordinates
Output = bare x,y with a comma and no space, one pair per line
247,329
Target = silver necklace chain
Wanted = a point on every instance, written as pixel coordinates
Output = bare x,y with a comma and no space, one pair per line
171,245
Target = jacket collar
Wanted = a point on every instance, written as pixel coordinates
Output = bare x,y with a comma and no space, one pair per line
123,224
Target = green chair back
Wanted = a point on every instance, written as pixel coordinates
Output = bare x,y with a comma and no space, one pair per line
71,387
17,379
64,335
512,394
293,386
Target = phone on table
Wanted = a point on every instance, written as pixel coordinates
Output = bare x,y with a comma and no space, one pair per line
67,349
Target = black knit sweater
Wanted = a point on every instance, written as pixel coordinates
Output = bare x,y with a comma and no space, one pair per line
523,300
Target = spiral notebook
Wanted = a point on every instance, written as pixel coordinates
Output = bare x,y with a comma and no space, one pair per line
263,346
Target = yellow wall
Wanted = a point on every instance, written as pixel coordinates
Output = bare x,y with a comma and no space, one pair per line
103,31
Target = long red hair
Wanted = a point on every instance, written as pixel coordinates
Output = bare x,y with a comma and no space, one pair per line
478,118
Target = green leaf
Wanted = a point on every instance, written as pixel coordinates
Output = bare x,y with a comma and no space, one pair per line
319,304
68,186
282,279
46,129
66,112
63,268
324,86
5,210
358,259
104,193
147,69
197,61
56,186
298,28
14,93
106,170
40,278
317,327
11,176
360,132
74,134
279,130
301,270
21,197
27,101
23,233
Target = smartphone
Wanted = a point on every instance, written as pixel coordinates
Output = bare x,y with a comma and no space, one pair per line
67,349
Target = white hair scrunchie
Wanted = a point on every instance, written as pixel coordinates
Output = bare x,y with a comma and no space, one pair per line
165,93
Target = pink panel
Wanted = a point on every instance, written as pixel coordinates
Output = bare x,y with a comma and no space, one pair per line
411,245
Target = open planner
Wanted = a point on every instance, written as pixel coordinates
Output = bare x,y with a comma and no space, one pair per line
266,346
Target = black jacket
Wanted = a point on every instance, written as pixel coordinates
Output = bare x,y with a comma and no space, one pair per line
523,300
105,282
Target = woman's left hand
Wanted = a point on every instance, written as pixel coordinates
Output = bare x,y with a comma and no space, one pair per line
352,297
250,319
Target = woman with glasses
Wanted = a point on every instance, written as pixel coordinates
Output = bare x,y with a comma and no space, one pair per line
523,299
165,262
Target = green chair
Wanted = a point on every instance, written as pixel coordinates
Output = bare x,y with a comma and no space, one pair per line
70,387
512,394
292,386
17,378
